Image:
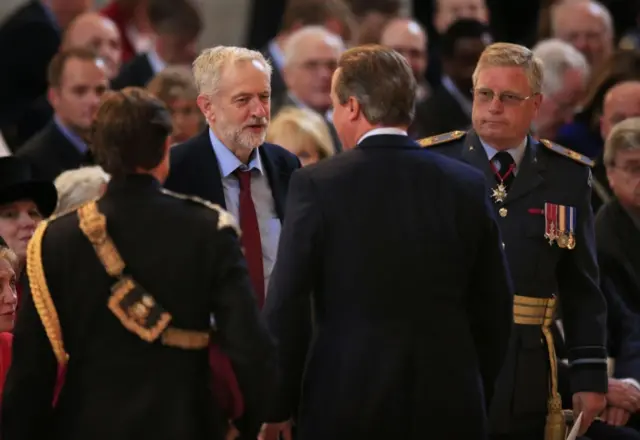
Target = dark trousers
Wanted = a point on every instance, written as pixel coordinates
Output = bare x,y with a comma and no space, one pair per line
601,431
524,435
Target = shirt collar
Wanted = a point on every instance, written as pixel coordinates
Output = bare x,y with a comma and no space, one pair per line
382,130
517,153
276,54
157,63
72,137
228,163
328,115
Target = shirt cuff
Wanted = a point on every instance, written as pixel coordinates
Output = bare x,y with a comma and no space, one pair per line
631,381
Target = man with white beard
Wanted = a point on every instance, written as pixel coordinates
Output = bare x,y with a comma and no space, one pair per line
230,165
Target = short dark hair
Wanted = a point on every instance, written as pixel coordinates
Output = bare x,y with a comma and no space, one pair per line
130,131
174,17
315,12
381,80
59,62
463,28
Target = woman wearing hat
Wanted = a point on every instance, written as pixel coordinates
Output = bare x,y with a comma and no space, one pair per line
8,300
24,202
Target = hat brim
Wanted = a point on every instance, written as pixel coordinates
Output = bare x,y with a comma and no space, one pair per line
42,193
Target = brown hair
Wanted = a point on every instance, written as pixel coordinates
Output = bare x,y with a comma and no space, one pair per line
381,80
130,131
174,82
59,62
316,12
174,17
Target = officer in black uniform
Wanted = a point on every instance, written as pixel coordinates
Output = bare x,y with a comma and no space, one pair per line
112,341
541,192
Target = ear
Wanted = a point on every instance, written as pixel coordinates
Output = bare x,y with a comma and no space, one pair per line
611,177
53,97
354,108
204,104
603,127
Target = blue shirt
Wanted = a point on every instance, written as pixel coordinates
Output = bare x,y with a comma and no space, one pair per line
75,140
517,153
268,221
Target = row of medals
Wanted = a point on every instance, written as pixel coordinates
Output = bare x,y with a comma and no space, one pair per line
565,240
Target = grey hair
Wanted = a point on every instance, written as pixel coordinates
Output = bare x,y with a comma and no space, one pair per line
78,186
596,8
209,66
295,42
512,55
557,57
624,136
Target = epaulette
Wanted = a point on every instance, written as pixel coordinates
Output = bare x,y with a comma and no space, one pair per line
225,219
580,158
441,138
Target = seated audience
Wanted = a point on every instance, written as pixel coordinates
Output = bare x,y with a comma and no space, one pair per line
565,77
76,187
176,87
8,301
76,84
24,202
303,132
618,222
176,27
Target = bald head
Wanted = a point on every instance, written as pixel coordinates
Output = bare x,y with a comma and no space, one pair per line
620,103
587,25
95,32
408,38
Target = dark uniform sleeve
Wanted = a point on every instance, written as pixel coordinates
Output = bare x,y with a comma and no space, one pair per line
288,305
29,387
242,333
583,306
490,299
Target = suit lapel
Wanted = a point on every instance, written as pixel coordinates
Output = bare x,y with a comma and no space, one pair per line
473,153
210,177
529,175
275,180
69,155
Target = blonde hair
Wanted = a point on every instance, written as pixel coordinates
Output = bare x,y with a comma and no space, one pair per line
209,66
300,126
78,186
512,55
7,254
624,136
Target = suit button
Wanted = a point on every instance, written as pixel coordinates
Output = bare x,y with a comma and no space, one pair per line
503,212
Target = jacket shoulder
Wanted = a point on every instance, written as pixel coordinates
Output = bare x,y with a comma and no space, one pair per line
278,152
566,152
441,139
225,220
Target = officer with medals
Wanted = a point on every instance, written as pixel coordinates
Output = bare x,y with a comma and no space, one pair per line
541,193
112,341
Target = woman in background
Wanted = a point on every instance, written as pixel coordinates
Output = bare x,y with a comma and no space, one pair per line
176,88
303,132
8,302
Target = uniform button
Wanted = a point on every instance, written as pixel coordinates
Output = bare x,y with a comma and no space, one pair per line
503,245
503,212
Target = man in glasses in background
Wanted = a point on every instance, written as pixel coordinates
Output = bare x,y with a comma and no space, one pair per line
542,193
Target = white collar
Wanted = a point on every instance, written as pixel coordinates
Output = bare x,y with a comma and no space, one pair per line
157,63
382,130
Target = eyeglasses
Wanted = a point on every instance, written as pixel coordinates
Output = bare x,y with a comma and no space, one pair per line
630,170
506,98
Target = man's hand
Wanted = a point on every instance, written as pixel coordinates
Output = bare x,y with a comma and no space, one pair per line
616,416
272,431
623,395
590,405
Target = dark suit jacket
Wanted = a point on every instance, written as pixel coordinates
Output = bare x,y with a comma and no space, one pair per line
618,240
284,100
118,385
28,41
136,73
51,153
398,245
541,271
439,113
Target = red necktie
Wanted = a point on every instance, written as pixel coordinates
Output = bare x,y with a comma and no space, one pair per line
251,235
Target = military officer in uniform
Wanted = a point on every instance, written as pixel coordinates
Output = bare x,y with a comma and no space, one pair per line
112,341
541,193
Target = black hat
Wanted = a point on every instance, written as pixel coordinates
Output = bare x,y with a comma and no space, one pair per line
18,183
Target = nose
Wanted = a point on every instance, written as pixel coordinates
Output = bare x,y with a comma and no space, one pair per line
260,109
9,295
495,106
26,221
